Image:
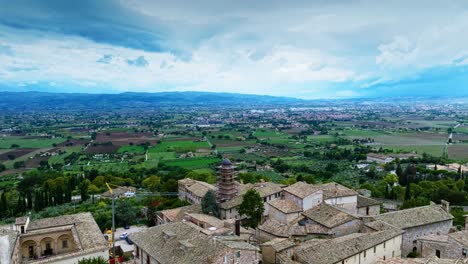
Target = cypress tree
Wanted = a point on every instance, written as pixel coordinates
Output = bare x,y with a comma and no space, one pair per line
408,192
3,205
30,200
209,205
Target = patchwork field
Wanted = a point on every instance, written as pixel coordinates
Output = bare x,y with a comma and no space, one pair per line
25,142
131,149
179,146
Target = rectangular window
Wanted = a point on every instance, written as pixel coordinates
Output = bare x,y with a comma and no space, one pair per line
365,251
148,261
437,253
375,249
383,244
237,254
64,243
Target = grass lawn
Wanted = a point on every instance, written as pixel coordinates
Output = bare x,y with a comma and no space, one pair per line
131,149
6,143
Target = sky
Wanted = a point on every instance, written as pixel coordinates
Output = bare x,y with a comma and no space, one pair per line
307,49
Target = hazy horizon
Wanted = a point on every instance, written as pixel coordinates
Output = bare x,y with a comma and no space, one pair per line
301,49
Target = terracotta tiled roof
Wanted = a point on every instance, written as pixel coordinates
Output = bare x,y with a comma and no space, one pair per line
432,260
363,201
301,189
87,230
417,216
328,215
196,246
326,251
461,237
333,189
285,206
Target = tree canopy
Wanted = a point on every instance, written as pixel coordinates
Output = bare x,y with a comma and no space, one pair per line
252,208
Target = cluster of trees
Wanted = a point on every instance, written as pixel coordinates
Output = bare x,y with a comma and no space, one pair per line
251,207
417,186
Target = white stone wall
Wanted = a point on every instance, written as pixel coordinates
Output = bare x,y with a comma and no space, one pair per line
291,197
312,200
411,235
347,203
450,249
386,250
229,213
276,214
373,210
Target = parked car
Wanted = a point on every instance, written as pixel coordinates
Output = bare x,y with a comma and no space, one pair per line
124,235
129,241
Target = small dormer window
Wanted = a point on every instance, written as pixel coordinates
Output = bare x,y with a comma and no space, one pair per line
168,234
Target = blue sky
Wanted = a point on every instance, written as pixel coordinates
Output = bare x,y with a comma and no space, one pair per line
307,49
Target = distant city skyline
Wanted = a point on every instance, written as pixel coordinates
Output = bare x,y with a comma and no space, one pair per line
303,49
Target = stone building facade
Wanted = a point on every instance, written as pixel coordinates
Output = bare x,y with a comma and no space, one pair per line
450,246
63,239
417,223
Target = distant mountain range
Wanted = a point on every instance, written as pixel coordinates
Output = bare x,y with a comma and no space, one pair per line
31,101
43,100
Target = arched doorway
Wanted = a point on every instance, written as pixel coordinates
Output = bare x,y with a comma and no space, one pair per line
28,249
47,246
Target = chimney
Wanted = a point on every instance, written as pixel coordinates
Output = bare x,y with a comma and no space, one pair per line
445,205
466,222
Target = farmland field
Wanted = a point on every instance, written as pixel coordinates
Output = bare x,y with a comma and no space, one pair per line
23,142
321,138
268,134
458,152
161,155
179,146
192,163
435,150
361,133
131,149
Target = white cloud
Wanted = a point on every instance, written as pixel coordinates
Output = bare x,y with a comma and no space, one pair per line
265,47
